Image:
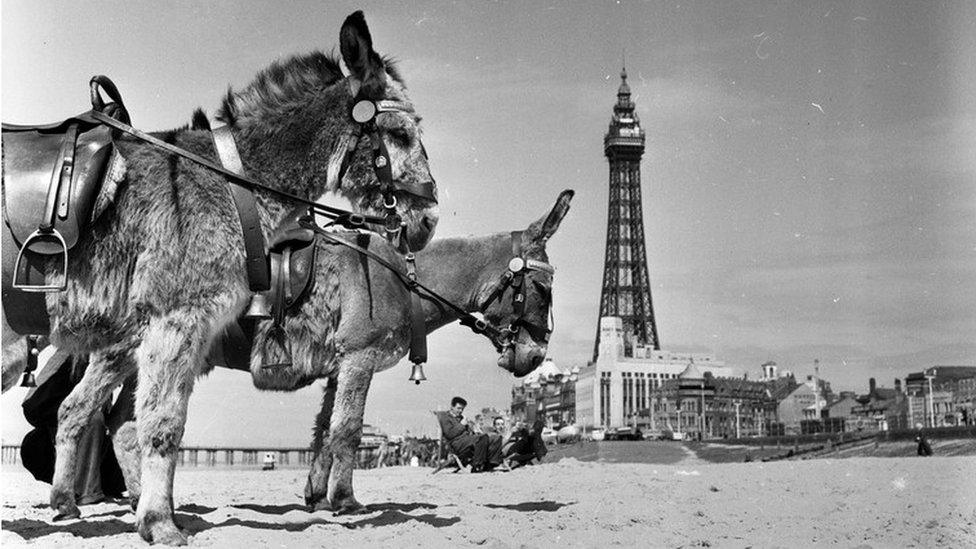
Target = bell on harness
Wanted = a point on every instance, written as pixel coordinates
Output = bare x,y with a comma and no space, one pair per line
258,309
32,354
417,374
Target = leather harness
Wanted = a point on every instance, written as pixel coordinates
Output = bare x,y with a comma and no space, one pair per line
258,264
514,276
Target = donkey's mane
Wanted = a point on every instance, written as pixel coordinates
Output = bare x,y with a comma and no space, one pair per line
286,81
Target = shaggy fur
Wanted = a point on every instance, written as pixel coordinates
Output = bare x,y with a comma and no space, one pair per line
373,335
163,269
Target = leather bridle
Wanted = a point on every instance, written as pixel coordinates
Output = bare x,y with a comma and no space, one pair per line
364,112
515,277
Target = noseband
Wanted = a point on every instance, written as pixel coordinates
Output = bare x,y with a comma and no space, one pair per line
514,277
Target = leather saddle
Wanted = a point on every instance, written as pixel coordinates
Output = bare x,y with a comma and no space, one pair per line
52,176
292,254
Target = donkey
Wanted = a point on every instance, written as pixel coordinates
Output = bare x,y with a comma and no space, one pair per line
371,335
162,271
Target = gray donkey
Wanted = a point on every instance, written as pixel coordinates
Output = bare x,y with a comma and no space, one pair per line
371,335
163,271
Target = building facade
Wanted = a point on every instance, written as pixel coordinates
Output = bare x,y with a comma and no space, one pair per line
616,389
548,393
941,396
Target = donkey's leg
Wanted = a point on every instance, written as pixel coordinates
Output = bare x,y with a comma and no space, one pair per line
106,369
172,349
122,427
355,374
316,489
14,359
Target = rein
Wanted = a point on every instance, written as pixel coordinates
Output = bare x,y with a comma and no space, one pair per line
500,337
338,215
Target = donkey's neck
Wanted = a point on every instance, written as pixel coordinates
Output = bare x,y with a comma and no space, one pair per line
461,270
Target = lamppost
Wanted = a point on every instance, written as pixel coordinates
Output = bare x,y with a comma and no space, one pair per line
702,411
737,403
929,378
816,388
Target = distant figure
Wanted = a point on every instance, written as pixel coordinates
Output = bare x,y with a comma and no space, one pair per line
269,461
924,449
469,446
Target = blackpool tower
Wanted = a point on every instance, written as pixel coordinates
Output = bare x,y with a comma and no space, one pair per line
626,291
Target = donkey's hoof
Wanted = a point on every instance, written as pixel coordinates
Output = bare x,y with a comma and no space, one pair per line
67,511
64,505
161,531
318,505
349,507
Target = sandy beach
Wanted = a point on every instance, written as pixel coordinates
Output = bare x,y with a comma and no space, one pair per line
855,502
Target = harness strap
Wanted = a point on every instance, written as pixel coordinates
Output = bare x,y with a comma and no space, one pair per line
256,260
477,325
339,215
418,324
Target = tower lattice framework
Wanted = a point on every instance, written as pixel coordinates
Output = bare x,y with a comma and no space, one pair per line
626,289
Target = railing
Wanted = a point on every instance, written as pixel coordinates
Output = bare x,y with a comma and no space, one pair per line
198,456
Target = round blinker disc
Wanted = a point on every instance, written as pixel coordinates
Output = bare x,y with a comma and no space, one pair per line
363,111
516,264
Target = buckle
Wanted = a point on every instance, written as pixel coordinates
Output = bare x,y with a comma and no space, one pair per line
357,220
392,200
393,224
516,264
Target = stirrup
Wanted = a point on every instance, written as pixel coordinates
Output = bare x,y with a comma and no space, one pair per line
42,236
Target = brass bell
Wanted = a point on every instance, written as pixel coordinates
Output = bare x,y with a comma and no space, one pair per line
258,309
29,381
417,374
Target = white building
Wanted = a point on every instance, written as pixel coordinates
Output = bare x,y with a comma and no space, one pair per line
614,389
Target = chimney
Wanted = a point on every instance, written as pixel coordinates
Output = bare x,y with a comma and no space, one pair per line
871,385
897,385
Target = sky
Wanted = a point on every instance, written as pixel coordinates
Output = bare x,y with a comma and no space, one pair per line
808,181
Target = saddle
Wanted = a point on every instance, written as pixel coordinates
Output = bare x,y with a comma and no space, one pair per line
52,176
291,257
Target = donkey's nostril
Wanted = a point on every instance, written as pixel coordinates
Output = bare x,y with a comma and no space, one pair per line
536,360
428,223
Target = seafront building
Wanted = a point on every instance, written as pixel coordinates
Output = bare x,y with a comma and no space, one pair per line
941,396
548,393
616,389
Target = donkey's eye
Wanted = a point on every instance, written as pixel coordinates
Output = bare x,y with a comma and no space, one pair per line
544,290
401,137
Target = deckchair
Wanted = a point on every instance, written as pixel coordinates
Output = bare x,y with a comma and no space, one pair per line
445,456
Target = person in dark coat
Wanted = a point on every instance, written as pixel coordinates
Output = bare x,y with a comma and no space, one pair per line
99,475
526,445
924,449
470,446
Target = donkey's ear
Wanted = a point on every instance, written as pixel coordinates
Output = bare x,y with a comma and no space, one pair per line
356,46
543,229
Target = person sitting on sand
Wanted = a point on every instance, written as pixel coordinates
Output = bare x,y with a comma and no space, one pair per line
498,436
469,446
525,445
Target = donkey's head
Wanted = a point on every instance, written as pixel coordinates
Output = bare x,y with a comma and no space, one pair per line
387,163
311,130
522,302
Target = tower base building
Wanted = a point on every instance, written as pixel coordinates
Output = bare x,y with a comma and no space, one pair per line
615,390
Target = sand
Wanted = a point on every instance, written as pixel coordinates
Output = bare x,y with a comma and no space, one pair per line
855,502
